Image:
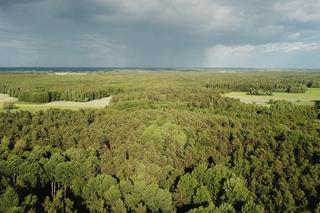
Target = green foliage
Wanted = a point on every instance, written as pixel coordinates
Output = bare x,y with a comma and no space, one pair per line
300,88
56,205
235,190
8,106
185,190
169,142
37,97
154,198
254,91
202,196
9,200
165,135
30,203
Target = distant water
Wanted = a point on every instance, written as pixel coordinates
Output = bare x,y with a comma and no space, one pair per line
55,69
109,69
76,69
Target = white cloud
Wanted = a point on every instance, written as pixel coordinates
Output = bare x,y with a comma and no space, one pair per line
264,55
299,10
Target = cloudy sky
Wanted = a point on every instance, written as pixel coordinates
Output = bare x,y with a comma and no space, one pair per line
160,33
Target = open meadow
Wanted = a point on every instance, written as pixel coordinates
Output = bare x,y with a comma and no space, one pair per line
311,97
72,105
6,98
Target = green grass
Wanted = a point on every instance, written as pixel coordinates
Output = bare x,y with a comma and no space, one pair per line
6,98
99,103
307,98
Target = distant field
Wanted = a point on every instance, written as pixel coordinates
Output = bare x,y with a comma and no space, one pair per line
99,103
307,98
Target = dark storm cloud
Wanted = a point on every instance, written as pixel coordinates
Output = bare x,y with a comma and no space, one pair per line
159,32
6,3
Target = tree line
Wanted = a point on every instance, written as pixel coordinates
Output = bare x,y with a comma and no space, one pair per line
39,96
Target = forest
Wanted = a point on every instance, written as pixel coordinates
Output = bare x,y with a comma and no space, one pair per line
168,142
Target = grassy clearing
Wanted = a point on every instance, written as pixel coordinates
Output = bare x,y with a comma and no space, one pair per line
6,98
99,103
307,98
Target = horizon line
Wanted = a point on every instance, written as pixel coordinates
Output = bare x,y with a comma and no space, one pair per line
154,67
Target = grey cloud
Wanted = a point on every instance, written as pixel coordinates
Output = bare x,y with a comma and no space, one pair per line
151,32
7,3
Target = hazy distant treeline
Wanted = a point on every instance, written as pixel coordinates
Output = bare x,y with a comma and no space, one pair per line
290,87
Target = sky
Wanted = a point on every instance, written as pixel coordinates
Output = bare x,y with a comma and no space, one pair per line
160,33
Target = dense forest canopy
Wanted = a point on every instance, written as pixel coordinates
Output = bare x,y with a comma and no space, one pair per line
169,142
